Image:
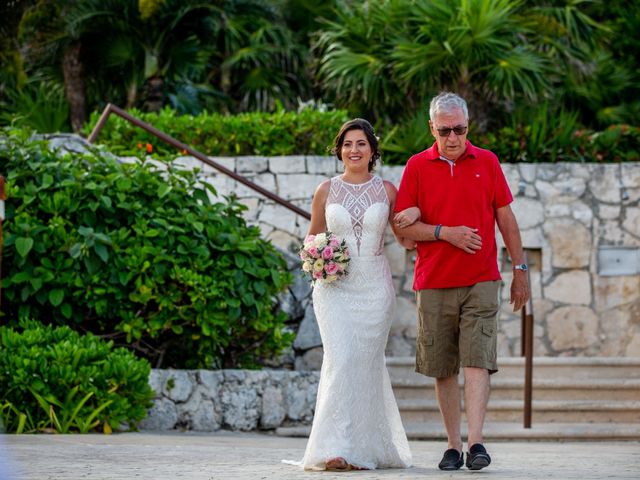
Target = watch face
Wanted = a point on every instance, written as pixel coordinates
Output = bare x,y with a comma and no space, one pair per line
522,267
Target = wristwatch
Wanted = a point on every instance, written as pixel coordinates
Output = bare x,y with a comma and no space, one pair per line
522,266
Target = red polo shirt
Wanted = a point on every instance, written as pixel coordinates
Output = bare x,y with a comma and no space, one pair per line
467,192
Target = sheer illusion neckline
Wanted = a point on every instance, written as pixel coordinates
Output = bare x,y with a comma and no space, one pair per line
356,184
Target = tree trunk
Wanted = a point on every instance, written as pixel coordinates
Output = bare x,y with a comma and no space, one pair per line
74,85
155,94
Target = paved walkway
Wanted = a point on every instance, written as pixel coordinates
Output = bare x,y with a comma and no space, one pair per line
254,456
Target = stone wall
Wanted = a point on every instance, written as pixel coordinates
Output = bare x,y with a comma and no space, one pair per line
206,400
566,211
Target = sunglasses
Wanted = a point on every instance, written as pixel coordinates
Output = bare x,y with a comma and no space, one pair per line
445,132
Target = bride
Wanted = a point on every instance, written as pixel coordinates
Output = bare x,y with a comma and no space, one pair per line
356,425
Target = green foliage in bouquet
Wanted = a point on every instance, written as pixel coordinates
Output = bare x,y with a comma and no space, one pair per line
54,379
307,132
138,255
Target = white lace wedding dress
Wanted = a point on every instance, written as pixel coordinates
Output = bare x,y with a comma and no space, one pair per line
356,414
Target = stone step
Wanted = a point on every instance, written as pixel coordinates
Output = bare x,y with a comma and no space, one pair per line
567,411
494,431
543,367
538,431
543,389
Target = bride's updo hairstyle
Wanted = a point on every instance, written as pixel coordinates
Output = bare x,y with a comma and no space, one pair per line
357,124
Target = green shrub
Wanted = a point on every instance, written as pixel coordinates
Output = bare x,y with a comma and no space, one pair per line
618,143
56,379
142,257
307,132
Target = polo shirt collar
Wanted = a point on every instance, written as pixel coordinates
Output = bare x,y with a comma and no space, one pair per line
470,151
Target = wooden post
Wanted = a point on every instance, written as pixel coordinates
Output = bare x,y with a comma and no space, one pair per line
527,352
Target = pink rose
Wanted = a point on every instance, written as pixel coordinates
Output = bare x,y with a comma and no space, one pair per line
334,242
327,253
313,251
331,268
309,239
317,275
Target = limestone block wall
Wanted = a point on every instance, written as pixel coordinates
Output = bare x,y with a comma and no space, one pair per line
208,400
566,212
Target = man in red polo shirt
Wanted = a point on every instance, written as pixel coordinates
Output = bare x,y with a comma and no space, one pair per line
461,193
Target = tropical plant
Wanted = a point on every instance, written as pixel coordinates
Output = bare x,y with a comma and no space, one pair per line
37,105
54,379
122,51
388,58
139,254
354,67
259,61
407,138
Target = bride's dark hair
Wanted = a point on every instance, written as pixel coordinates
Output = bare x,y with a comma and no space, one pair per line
357,124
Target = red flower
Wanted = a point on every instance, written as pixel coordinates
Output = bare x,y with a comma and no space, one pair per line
149,148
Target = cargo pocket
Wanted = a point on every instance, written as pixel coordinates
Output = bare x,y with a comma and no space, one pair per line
431,354
489,343
488,328
424,353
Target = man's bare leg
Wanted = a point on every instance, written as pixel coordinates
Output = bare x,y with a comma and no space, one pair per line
448,395
476,396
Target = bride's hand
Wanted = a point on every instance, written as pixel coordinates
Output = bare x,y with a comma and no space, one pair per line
407,217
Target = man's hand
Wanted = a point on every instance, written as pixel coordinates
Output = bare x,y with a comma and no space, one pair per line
519,290
465,238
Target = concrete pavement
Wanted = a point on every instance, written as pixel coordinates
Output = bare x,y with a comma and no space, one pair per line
231,455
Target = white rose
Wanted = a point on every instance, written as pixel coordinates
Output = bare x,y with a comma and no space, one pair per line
320,240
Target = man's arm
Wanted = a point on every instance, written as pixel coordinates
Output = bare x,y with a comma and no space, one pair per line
465,238
511,235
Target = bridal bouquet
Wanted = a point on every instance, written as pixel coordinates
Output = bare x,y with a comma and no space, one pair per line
324,257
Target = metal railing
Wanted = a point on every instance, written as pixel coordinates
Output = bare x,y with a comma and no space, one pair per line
110,108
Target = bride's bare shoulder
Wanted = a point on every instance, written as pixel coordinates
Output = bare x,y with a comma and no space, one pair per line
322,190
390,188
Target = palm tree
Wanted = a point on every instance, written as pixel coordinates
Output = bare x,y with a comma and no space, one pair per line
114,51
259,61
390,56
46,40
354,64
149,51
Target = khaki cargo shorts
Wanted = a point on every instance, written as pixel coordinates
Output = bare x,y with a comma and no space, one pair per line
457,327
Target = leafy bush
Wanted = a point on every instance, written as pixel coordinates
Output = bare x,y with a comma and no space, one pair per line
56,379
307,132
618,143
139,256
541,134
550,134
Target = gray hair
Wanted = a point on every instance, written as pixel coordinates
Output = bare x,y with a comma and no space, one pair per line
447,102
